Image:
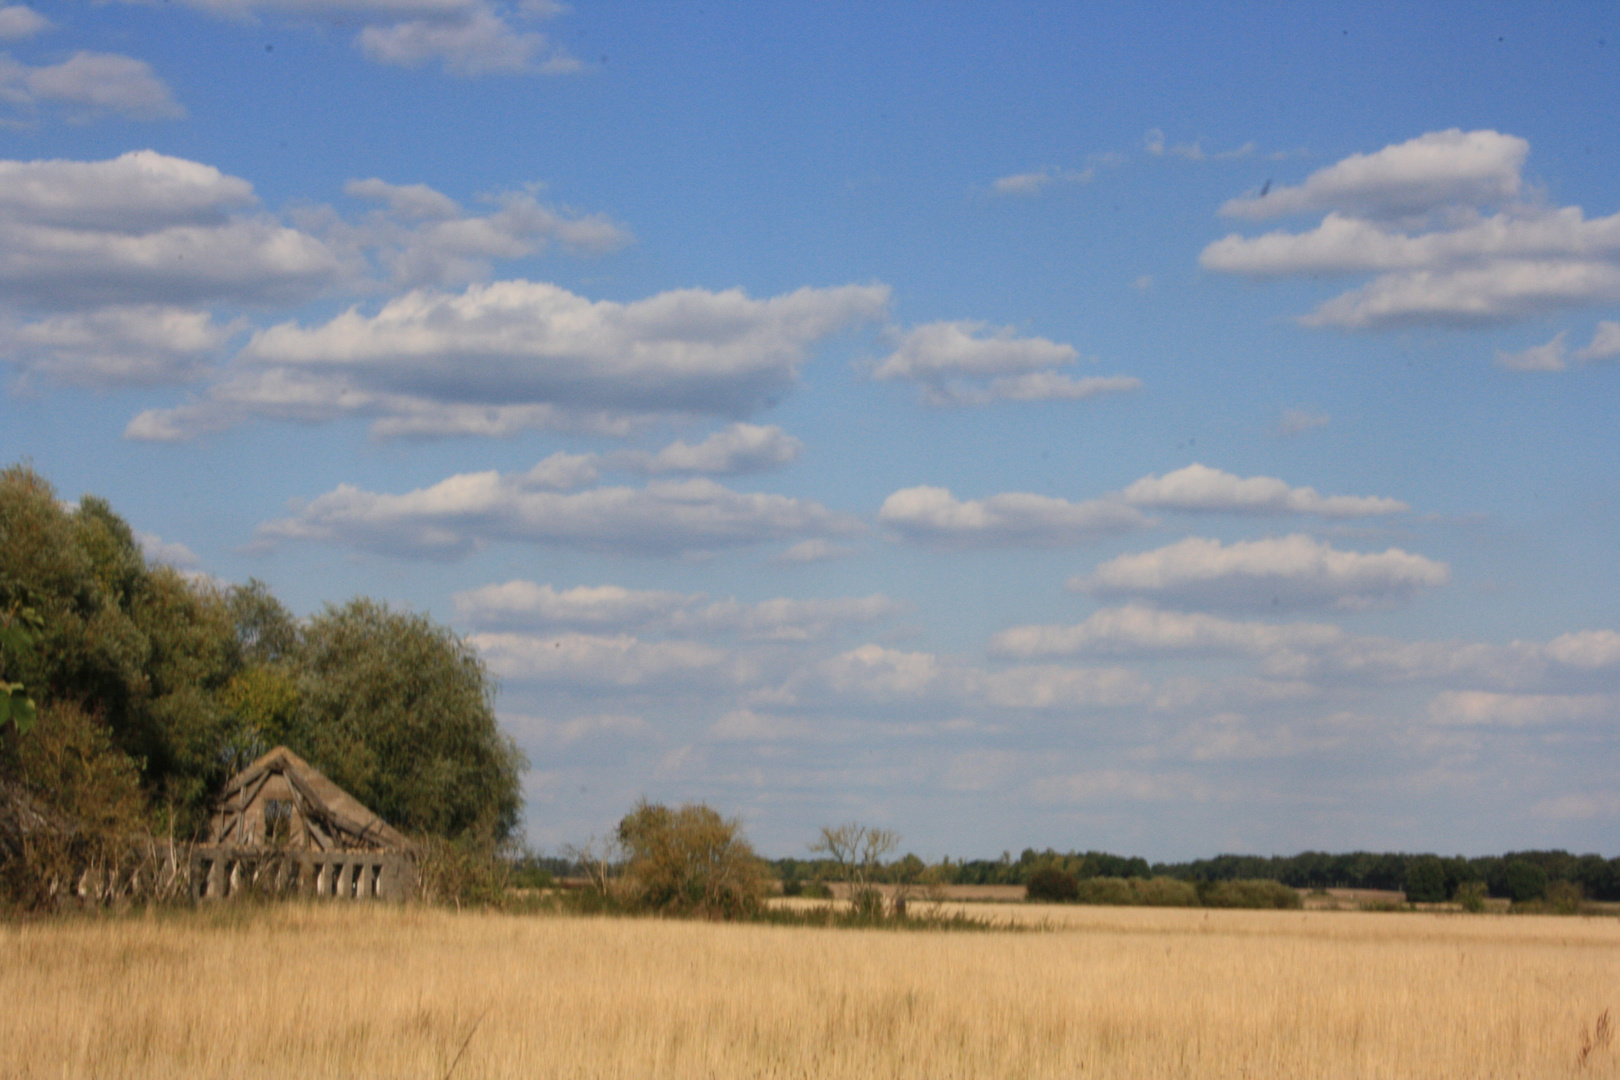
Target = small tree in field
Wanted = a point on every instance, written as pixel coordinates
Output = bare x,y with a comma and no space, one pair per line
689,861
858,850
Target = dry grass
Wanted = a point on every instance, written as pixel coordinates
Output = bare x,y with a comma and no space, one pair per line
384,992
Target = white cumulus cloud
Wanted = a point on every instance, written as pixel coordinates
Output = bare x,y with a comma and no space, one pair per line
512,355
463,513
136,345
1445,227
738,448
1438,169
932,515
92,83
643,611
967,363
145,228
1201,488
1277,572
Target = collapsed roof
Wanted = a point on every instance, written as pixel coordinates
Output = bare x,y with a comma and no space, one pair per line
283,800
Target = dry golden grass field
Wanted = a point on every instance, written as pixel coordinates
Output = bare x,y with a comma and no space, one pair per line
375,991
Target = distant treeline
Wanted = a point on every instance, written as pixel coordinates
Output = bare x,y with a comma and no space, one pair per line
1520,875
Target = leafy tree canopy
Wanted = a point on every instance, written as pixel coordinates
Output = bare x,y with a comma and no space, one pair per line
161,686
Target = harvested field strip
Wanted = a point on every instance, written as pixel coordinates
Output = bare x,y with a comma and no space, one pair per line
311,992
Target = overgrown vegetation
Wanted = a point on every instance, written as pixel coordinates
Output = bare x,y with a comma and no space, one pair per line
688,861
134,692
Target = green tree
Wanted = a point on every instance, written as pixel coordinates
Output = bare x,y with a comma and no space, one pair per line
400,711
1525,880
1426,880
689,861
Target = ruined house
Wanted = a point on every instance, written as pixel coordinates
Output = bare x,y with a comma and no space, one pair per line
282,827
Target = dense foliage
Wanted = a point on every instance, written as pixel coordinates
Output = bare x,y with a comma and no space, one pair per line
153,688
1426,878
688,861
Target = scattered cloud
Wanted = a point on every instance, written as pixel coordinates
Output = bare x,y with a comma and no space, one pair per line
738,448
18,21
746,725
1154,143
1278,572
1134,630
90,84
525,603
464,513
941,349
515,355
1297,421
1476,708
1605,343
144,228
466,38
813,551
1032,183
1578,806
1113,786
879,674
642,611
1199,488
1589,650
932,515
424,237
595,660
1432,171
1447,228
134,345
1552,356
480,42
966,363
167,552
1296,651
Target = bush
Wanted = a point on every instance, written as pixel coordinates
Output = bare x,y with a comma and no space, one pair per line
463,873
1248,894
1471,896
1113,891
1565,897
689,861
1165,892
1049,885
1138,892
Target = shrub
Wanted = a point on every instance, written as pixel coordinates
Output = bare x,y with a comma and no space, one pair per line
689,861
1049,885
1471,895
462,873
1165,892
1565,897
1248,894
1107,890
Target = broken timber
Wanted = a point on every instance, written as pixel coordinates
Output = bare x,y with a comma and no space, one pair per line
281,827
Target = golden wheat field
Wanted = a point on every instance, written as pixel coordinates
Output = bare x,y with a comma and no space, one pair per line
312,992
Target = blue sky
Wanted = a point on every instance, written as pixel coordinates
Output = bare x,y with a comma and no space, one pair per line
1167,430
